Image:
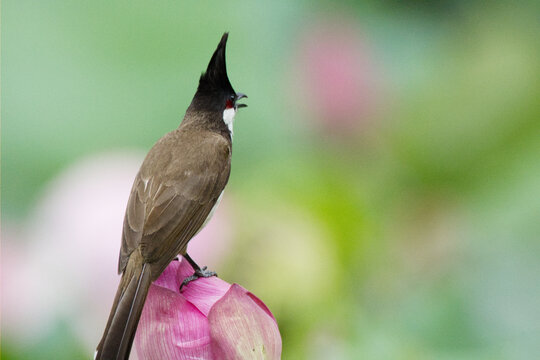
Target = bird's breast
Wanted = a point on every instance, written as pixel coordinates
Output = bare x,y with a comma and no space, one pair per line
211,213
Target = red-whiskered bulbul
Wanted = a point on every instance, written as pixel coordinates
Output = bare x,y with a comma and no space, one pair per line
174,194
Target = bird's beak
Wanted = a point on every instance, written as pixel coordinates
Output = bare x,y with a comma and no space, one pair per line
238,97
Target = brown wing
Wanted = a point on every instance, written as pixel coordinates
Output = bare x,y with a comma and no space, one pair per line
173,193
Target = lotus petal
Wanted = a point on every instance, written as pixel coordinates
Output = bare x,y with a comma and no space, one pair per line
168,278
171,328
242,327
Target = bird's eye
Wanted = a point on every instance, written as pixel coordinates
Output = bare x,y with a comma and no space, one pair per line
229,104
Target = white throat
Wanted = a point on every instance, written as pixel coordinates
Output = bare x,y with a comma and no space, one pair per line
228,119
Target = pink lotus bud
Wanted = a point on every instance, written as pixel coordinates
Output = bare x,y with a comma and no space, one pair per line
209,319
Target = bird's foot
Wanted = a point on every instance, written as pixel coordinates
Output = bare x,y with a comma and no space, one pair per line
199,273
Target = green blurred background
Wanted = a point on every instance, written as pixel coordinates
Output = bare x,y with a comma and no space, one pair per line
385,193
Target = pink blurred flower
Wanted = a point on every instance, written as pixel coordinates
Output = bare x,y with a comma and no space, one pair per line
69,246
71,241
337,75
208,319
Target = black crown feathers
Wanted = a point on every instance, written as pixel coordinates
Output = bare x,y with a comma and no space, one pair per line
215,78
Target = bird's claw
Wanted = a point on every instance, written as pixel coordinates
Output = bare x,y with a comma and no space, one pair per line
204,272
199,273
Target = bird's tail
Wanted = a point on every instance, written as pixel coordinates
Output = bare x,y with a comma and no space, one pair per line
126,311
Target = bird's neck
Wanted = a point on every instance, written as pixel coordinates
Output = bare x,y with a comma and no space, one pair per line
218,122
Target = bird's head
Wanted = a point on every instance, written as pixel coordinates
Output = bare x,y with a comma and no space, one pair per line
215,92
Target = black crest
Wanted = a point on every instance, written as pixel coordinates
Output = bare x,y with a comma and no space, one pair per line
215,78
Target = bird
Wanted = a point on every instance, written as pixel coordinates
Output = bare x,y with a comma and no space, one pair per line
174,194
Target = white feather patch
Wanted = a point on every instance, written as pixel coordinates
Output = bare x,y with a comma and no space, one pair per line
145,182
228,118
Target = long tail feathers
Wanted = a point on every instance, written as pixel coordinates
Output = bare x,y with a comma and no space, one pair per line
125,313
